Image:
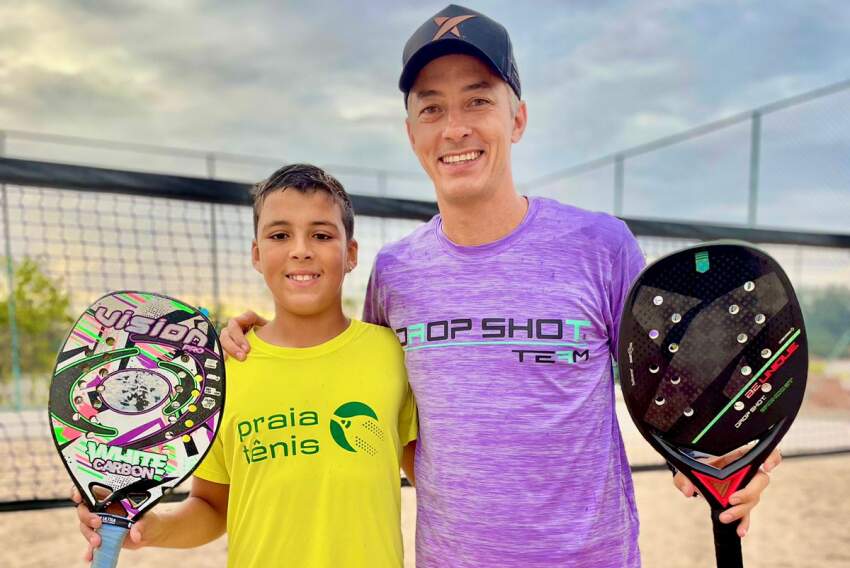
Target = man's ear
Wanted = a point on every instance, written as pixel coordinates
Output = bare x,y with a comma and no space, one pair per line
410,133
520,122
255,256
351,256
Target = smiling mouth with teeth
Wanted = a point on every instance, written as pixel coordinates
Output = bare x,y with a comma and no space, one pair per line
461,158
302,277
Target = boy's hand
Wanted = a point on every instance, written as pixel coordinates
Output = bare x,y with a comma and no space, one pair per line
139,536
744,500
233,335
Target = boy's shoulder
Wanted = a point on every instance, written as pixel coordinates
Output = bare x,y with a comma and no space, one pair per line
380,335
361,335
380,345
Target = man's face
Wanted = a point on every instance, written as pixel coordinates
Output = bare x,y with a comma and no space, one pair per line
461,127
301,251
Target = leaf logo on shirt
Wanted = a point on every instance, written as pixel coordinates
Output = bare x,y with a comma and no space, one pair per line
355,428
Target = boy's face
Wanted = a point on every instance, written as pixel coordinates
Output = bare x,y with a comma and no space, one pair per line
301,251
461,126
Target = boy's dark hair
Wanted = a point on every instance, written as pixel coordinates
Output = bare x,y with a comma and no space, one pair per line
305,178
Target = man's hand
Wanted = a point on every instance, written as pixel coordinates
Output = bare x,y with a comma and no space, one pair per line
233,335
742,500
139,535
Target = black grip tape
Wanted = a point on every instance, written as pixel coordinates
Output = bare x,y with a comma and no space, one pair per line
727,543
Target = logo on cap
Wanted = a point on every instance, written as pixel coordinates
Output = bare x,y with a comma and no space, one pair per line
449,25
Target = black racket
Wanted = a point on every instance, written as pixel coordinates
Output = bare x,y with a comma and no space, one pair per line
713,359
135,403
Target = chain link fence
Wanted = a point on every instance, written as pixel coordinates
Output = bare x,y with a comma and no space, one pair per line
69,234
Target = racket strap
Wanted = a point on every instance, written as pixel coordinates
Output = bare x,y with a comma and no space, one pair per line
727,543
112,532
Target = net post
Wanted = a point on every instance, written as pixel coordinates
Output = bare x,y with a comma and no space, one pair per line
211,162
382,192
755,152
619,173
10,278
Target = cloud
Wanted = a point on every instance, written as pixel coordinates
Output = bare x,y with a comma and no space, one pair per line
317,81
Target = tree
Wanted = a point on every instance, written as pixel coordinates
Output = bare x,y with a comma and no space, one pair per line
827,315
42,319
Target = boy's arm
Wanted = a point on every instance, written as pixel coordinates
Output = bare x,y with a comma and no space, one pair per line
407,456
201,518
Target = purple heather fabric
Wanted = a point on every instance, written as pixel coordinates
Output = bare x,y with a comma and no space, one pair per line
518,463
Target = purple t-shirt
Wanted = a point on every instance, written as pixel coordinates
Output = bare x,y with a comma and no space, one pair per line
508,346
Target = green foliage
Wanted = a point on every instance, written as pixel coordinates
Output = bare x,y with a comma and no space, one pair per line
827,315
352,307
43,320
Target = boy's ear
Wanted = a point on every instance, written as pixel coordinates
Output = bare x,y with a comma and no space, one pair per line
351,257
255,256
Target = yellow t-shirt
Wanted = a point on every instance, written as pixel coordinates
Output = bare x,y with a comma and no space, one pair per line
310,444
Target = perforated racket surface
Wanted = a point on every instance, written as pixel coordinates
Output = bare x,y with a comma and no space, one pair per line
713,357
135,403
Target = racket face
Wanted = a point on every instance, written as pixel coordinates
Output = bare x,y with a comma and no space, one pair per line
136,398
713,357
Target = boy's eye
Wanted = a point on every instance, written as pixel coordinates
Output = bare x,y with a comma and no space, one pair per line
323,236
278,236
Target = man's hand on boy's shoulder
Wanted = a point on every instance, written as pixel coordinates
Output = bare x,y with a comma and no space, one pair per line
90,522
233,335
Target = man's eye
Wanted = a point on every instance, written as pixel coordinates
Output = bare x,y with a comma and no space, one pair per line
430,109
480,102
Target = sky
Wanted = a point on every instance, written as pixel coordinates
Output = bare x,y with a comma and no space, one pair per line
316,81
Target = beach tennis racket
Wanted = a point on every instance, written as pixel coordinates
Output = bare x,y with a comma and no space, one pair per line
135,403
713,360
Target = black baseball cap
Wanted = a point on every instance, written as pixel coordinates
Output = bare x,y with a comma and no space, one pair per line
456,29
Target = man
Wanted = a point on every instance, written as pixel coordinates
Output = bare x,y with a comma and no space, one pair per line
508,309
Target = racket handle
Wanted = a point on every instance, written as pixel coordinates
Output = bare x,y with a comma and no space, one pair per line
727,543
112,532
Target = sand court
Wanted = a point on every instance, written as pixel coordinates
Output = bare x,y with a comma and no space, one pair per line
802,522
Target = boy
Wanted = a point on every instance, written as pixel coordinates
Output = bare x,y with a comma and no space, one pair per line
305,467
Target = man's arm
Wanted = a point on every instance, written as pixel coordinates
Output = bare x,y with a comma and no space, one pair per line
200,519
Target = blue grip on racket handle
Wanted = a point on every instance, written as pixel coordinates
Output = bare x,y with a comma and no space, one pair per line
113,531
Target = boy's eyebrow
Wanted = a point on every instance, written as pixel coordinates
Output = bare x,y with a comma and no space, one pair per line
477,86
285,223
